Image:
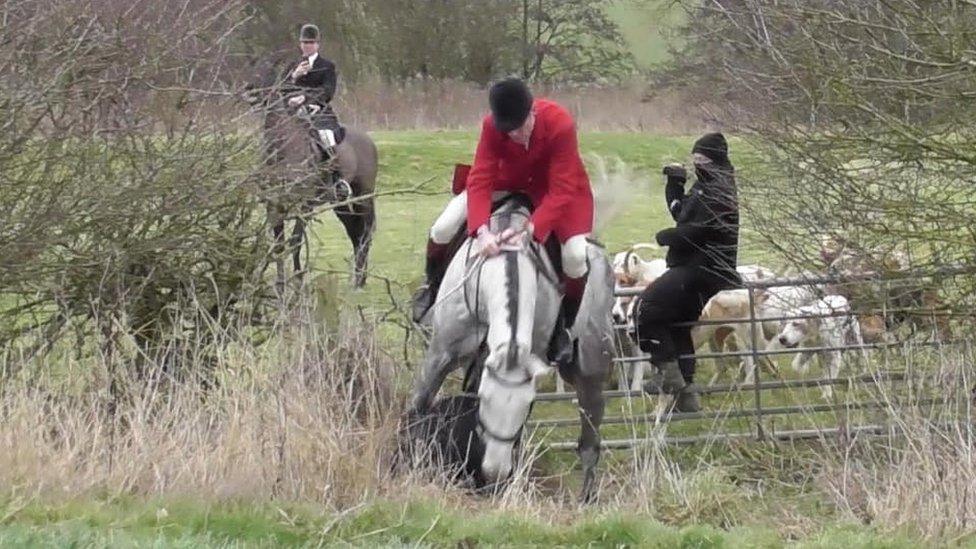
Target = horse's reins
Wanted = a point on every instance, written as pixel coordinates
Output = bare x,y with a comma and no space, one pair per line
478,266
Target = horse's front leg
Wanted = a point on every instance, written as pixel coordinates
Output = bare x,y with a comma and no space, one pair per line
445,353
432,375
295,244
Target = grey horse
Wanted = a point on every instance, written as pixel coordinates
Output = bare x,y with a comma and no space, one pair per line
296,181
511,301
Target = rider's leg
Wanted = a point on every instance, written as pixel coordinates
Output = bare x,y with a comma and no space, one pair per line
330,133
443,231
575,269
661,305
687,399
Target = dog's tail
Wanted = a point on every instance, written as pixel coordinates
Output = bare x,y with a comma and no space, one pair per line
633,252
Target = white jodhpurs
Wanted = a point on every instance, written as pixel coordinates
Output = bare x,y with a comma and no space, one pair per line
574,256
450,220
454,216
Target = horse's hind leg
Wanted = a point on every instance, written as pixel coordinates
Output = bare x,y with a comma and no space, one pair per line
364,242
359,221
589,391
278,236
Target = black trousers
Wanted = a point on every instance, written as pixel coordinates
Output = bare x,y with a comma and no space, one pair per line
679,295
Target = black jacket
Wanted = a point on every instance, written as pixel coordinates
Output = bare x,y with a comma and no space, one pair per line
707,229
319,84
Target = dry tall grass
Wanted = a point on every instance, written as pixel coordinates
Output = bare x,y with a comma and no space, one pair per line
440,104
305,416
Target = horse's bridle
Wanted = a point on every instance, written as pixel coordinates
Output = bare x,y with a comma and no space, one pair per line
533,253
484,431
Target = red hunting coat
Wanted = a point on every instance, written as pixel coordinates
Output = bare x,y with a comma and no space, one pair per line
550,172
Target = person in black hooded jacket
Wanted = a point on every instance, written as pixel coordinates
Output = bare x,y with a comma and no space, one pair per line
701,259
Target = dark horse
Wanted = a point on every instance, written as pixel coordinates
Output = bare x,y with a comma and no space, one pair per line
297,180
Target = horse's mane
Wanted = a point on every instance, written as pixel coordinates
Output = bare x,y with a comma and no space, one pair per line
512,211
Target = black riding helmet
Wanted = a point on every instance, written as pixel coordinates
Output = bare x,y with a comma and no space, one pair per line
309,33
510,101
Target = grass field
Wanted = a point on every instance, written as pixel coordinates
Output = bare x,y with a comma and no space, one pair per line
703,496
419,523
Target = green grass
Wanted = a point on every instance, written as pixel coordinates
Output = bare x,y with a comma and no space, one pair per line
383,524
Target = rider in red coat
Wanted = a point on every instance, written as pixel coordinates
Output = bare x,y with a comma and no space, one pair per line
547,168
528,146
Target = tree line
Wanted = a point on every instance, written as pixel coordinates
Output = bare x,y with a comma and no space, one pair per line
472,40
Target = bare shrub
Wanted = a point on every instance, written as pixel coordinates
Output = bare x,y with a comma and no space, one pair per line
122,204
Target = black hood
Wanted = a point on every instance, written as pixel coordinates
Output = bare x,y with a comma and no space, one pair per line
714,147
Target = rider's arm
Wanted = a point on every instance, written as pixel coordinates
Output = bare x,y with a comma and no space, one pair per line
566,176
319,85
685,235
674,195
481,180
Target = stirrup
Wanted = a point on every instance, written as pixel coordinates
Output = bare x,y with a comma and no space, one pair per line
343,190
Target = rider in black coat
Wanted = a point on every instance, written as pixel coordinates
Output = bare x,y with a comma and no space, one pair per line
701,259
318,81
313,82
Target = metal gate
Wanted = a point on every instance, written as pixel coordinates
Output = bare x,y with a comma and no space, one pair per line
878,378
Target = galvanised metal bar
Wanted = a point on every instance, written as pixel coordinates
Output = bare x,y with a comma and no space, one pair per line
782,436
797,350
879,312
764,386
756,370
726,414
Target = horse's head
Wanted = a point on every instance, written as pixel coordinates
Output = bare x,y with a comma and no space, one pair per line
507,388
506,393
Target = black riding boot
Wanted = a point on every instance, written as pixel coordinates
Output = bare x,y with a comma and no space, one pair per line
562,348
340,189
434,270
